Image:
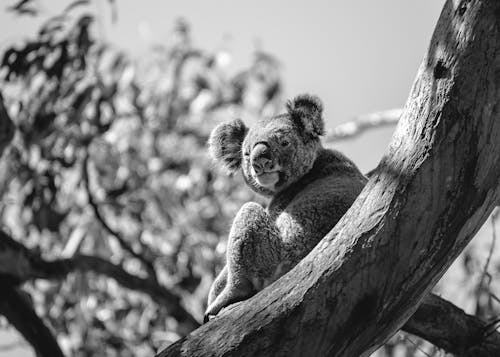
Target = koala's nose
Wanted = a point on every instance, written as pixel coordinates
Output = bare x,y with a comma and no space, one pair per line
261,158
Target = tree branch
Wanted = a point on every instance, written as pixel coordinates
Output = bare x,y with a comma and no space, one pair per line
362,123
484,285
6,127
19,264
448,327
436,186
23,317
123,243
437,320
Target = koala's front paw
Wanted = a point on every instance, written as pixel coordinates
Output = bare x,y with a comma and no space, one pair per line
211,311
207,317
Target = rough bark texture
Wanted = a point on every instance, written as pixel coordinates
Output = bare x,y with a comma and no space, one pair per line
432,191
448,327
436,319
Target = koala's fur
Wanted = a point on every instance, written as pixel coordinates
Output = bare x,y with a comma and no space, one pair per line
310,189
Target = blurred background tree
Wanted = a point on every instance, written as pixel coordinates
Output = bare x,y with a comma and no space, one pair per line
113,219
109,160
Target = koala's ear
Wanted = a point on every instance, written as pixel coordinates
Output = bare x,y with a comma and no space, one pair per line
225,143
307,112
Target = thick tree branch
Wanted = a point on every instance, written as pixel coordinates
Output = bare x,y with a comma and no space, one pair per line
19,264
21,315
432,191
448,327
437,320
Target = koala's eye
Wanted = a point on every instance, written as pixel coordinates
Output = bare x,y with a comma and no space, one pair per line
285,143
246,153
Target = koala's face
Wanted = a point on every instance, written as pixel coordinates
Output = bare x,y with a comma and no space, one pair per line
277,151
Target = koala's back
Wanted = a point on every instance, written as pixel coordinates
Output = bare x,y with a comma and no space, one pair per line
305,212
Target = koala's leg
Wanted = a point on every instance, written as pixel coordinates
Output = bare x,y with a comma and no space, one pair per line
253,255
218,285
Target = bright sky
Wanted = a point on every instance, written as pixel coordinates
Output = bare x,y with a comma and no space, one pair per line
359,57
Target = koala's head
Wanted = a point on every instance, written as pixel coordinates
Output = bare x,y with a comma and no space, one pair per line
277,151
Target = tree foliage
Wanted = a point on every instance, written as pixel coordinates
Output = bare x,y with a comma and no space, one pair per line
109,161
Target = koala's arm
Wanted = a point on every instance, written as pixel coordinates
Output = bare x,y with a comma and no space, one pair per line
218,285
253,256
314,212
261,249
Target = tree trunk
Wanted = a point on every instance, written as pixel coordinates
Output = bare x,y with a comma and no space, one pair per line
436,320
430,194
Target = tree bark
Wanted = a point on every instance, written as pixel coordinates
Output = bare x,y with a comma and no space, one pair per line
448,327
432,191
436,320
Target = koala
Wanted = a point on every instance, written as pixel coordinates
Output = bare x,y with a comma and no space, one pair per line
310,188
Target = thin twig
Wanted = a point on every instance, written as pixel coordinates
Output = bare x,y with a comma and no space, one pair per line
7,127
490,328
491,324
488,259
123,243
416,346
494,297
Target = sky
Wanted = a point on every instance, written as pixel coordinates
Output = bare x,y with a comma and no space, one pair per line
357,56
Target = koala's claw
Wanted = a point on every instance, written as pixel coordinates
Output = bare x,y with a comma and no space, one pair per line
207,317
